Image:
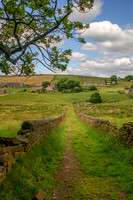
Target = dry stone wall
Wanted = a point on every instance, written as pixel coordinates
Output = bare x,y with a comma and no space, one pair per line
124,134
103,125
31,134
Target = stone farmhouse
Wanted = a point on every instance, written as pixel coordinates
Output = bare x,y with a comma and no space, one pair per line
2,91
51,88
129,91
14,85
97,84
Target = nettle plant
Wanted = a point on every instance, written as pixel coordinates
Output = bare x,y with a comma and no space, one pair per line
30,30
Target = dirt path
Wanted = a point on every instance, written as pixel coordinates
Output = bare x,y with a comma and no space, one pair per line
70,181
69,172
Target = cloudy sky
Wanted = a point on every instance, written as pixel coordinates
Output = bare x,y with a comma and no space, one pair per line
109,41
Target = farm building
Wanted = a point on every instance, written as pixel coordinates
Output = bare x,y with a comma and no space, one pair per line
51,88
129,91
2,91
86,84
14,85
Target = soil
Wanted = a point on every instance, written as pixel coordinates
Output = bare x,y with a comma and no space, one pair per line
68,174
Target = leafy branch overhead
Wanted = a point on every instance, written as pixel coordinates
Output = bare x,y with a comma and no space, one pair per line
30,26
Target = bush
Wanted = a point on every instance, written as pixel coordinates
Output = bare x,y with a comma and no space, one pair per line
77,89
95,98
93,87
45,84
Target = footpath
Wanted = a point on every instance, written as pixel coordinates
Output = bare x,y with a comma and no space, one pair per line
82,176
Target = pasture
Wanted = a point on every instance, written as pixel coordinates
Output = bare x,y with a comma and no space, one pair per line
31,80
22,106
82,79
106,163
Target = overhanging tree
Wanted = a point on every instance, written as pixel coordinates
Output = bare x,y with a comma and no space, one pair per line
32,27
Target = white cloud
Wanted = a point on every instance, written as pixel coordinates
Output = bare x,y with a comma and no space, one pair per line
76,56
89,47
89,15
104,67
102,31
110,38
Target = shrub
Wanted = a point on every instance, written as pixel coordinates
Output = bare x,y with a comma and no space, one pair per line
93,87
95,98
77,89
45,84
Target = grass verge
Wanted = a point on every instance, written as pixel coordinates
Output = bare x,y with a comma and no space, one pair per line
107,164
34,171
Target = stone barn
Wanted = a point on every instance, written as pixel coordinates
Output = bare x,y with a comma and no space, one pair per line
2,91
14,85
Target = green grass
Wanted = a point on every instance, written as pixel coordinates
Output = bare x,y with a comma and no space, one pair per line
13,116
52,104
107,164
83,79
118,112
35,170
14,90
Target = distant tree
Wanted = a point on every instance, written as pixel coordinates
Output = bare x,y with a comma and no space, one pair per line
45,84
95,98
61,85
113,79
92,87
31,26
77,89
71,84
129,77
65,84
106,81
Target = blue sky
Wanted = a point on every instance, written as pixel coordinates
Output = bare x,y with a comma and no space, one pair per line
109,41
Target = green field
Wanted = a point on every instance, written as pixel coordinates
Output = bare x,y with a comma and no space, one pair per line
82,79
25,106
106,163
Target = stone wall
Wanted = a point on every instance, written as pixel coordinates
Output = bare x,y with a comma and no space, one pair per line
31,134
97,84
14,85
124,134
103,125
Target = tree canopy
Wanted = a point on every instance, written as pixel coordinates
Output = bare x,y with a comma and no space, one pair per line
129,77
65,84
32,27
113,78
95,98
45,84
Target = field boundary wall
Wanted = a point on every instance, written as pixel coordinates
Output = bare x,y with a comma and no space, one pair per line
124,134
31,134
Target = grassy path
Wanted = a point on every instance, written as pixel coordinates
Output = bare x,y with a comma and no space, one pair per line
93,166
84,174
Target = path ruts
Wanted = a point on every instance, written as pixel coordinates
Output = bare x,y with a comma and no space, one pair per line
70,176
